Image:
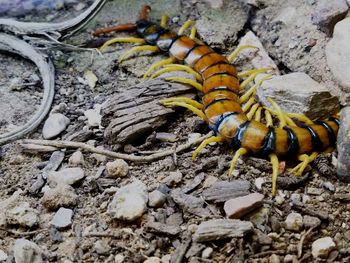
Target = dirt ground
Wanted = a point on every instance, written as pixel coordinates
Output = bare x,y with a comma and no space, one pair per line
94,236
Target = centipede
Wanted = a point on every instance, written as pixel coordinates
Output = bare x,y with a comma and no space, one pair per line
228,104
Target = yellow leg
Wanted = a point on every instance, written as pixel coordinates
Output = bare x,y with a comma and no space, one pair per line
249,72
122,40
279,112
138,49
257,116
193,32
268,118
157,65
189,101
196,111
177,67
252,111
232,56
238,153
300,117
245,83
186,25
275,168
191,82
249,92
164,21
248,104
205,143
305,160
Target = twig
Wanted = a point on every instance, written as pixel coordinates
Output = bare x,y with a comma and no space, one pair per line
301,242
133,158
18,233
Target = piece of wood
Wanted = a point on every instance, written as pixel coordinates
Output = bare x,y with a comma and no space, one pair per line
137,111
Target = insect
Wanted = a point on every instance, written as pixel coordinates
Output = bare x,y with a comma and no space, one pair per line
249,128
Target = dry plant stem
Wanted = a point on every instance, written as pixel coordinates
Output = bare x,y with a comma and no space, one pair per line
127,157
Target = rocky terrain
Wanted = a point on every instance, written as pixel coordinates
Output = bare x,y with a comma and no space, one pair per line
101,197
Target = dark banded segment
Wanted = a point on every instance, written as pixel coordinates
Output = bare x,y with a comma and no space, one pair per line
331,135
208,60
336,120
153,33
142,26
220,120
214,102
269,145
197,53
181,47
316,141
219,68
215,81
165,40
238,137
293,143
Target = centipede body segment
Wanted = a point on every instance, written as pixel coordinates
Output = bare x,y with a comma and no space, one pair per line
221,107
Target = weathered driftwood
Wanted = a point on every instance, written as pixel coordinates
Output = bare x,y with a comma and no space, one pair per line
137,111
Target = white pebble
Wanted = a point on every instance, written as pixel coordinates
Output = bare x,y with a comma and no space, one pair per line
117,168
54,125
294,221
322,247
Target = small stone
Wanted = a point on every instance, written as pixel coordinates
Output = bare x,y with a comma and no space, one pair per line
338,53
314,191
298,93
62,219
119,258
76,159
294,221
166,258
274,259
295,198
222,191
160,228
217,229
129,202
90,78
240,206
101,247
306,199
193,137
22,214
259,182
67,176
153,260
327,14
311,221
322,247
117,168
156,199
54,125
60,196
94,116
166,137
343,145
3,255
289,258
206,253
26,251
173,178
329,186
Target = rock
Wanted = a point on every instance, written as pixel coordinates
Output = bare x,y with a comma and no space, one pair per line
259,182
274,259
311,221
190,203
206,253
63,218
67,176
60,196
193,137
159,228
101,247
119,258
54,125
94,116
286,15
329,186
166,137
173,178
295,198
117,168
258,58
343,145
228,20
6,204
294,221
26,251
338,53
222,191
298,93
327,14
22,214
3,256
76,159
237,207
129,202
322,247
90,78
217,229
153,260
156,199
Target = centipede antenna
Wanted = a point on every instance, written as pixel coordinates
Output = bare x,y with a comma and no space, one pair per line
192,102
122,40
191,82
157,65
138,49
190,107
238,153
205,143
186,25
275,168
234,54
